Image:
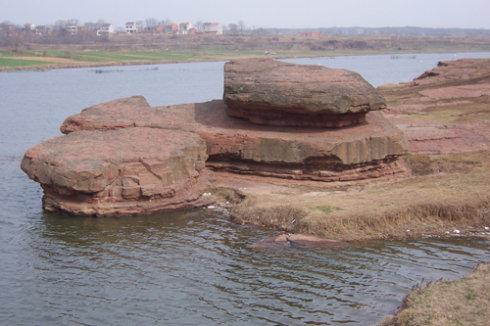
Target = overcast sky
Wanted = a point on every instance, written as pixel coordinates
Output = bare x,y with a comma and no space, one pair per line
259,13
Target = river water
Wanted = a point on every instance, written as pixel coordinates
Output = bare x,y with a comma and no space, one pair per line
193,268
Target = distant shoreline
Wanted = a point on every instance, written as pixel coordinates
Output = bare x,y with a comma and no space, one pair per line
52,63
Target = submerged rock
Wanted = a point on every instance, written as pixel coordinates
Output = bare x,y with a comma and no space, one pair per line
298,241
127,171
270,92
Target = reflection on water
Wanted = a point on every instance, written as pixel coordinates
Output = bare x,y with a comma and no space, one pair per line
182,268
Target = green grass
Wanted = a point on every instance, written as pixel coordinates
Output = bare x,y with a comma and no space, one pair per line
327,209
14,63
101,56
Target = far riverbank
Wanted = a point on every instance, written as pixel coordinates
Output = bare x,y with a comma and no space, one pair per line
63,58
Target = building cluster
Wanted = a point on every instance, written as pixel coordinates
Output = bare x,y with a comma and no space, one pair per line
185,28
102,29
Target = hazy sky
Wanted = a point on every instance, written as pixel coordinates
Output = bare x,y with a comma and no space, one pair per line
259,13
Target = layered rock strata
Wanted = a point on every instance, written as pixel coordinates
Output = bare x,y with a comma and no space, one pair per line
125,171
365,151
270,92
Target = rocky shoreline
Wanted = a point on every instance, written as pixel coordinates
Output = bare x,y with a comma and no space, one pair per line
302,143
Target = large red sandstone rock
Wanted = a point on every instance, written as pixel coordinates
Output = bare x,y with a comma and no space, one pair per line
127,171
360,152
270,92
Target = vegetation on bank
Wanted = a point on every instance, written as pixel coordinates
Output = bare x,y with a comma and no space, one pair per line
74,56
446,193
461,302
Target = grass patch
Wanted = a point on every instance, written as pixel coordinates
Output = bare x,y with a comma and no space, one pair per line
327,209
449,192
462,302
14,63
285,217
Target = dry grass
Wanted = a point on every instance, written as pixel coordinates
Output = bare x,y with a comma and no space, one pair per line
287,218
462,302
456,196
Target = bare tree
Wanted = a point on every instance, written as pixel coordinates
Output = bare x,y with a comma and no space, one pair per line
151,24
199,26
233,28
241,26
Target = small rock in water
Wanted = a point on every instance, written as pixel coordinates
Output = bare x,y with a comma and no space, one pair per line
299,241
408,230
211,207
487,228
457,231
447,232
206,194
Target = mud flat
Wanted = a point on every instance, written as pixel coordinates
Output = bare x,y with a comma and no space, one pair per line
414,165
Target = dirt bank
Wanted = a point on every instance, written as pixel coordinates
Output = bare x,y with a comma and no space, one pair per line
462,302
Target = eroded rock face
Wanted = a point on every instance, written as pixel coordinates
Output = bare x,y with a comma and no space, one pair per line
125,171
366,151
270,92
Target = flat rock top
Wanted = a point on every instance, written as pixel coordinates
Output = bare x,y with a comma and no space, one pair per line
95,116
88,161
458,71
225,134
446,109
267,84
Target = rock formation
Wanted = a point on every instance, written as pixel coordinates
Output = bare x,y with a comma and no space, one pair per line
133,170
298,241
445,110
270,92
365,151
124,157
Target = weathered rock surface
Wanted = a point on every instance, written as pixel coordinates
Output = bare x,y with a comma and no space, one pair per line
445,110
270,92
115,111
365,151
126,171
124,157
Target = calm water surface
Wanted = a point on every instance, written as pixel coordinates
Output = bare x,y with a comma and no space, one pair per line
187,269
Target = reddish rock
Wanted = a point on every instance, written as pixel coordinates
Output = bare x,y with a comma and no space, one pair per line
365,151
116,111
446,109
298,241
270,92
126,171
460,71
